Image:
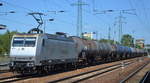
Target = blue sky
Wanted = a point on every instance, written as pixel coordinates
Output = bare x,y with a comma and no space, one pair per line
136,25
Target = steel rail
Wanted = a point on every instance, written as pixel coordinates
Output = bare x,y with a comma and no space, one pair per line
84,73
146,78
133,73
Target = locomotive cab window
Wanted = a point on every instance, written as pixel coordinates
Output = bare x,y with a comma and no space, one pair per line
30,41
18,41
24,41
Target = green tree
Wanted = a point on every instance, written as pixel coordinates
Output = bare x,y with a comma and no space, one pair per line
108,41
5,40
127,40
137,46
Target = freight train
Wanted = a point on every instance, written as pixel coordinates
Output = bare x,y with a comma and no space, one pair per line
32,52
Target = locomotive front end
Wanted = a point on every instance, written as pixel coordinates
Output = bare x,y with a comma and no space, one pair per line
23,52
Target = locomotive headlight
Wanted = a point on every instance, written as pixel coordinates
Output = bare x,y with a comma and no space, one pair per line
31,64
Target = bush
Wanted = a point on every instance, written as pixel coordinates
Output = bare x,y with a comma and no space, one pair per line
5,40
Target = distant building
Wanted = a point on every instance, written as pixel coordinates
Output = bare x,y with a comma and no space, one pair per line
140,43
88,35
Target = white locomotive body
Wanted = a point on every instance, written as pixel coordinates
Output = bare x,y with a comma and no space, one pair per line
31,51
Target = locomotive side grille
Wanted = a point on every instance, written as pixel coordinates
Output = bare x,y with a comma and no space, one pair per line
20,64
22,58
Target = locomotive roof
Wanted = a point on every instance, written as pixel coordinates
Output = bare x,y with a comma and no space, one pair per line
49,36
58,37
25,34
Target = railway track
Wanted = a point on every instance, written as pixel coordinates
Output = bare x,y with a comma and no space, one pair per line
3,71
90,74
74,78
133,73
15,78
4,68
146,78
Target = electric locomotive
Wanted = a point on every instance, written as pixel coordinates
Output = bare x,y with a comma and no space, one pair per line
32,52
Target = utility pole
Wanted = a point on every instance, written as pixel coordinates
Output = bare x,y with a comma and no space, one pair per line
120,24
96,35
79,17
114,37
109,30
93,4
133,39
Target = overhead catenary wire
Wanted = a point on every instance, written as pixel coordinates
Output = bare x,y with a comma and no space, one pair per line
140,16
96,17
28,10
88,12
66,12
17,6
99,20
16,22
96,9
137,14
144,9
93,5
58,4
68,1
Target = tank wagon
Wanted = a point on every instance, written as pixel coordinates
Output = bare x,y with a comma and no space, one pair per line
44,52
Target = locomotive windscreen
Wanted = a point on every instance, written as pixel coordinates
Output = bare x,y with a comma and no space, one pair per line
24,41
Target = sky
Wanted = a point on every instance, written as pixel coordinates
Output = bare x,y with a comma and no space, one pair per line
136,25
